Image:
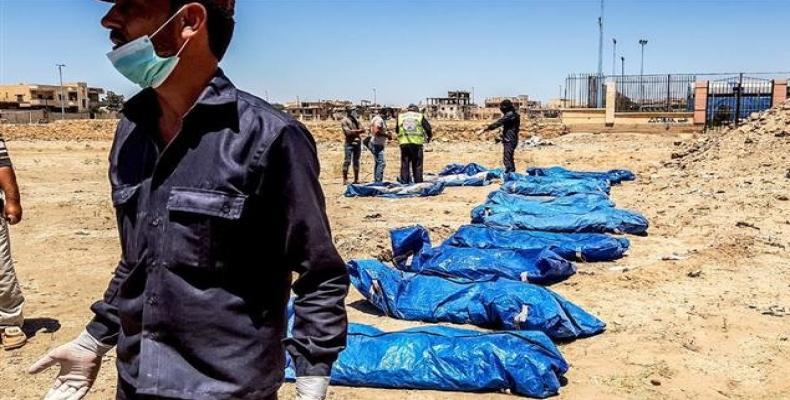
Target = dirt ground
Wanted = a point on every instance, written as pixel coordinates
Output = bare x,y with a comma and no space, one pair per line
712,322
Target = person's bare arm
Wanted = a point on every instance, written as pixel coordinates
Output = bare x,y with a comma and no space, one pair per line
13,206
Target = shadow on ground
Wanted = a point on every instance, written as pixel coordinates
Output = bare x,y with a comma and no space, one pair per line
33,326
365,307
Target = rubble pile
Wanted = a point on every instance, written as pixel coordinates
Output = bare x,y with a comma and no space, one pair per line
760,145
545,128
742,171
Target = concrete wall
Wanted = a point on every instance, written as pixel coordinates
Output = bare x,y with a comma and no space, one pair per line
583,116
43,116
655,118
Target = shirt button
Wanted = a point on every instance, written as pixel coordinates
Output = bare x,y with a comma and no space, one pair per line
152,300
156,221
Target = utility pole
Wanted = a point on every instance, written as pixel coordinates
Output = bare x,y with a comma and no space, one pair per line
374,97
62,94
614,56
642,42
600,58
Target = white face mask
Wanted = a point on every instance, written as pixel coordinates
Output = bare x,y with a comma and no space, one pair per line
138,61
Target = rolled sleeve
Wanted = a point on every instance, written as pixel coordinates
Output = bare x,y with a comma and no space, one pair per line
320,322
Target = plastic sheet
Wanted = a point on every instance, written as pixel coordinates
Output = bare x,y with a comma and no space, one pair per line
499,304
572,246
447,358
479,179
412,252
552,186
614,176
394,190
575,213
588,201
469,169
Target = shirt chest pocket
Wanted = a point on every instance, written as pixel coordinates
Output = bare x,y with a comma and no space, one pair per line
203,225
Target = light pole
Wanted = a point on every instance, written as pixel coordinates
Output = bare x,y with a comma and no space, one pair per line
600,57
622,66
642,42
374,97
62,95
614,56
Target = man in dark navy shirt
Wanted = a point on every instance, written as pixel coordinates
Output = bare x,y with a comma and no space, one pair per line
218,202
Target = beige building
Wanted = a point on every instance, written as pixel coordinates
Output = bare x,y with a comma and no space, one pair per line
521,102
78,97
457,105
318,110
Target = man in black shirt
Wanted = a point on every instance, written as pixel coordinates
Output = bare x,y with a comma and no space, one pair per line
510,124
217,201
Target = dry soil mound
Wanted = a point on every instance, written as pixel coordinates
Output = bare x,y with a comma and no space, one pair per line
736,181
761,146
96,129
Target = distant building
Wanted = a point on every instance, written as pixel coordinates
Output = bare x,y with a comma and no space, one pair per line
78,97
521,102
318,110
457,105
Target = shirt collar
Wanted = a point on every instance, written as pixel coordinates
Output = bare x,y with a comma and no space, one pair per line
219,91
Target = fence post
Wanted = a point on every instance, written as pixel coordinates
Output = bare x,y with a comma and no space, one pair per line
780,92
700,102
669,92
738,99
611,102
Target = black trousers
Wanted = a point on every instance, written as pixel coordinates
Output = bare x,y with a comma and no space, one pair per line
411,163
126,391
508,151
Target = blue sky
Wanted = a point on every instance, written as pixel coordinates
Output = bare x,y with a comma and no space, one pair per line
412,49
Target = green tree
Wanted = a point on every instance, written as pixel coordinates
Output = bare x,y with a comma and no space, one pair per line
113,101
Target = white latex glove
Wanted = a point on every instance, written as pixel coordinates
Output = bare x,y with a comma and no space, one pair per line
311,387
79,362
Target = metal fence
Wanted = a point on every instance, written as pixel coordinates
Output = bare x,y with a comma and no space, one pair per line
672,92
732,96
651,93
581,91
732,99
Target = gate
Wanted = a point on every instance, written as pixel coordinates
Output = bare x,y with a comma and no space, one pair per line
731,100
